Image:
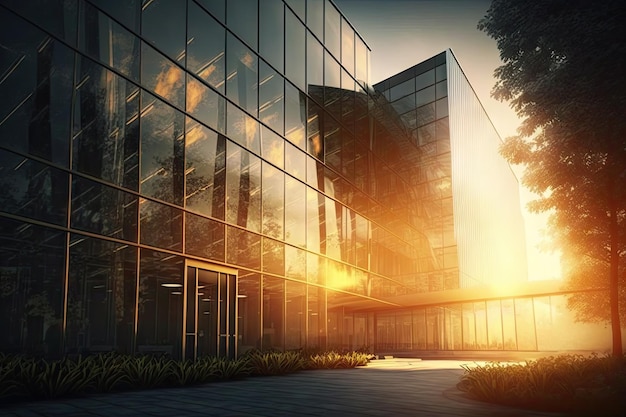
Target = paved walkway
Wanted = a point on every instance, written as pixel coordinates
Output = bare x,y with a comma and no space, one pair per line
391,387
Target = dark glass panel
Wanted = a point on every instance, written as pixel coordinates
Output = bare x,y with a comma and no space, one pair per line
108,42
204,237
443,130
347,46
347,100
442,107
315,126
425,96
243,188
205,104
425,79
206,43
205,171
271,98
404,104
332,144
243,248
295,115
272,32
162,76
426,134
243,129
35,89
272,147
332,85
315,17
273,313
315,68
273,256
55,16
332,38
402,89
249,314
361,61
440,73
216,7
241,75
273,200
103,210
160,315
295,161
126,12
298,7
425,114
32,189
441,89
101,296
162,150
160,225
32,261
410,119
347,156
295,58
295,212
106,126
295,315
163,24
241,16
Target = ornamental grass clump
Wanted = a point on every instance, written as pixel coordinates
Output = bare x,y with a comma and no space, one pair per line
561,383
335,360
275,363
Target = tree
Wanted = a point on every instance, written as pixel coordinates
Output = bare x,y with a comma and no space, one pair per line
563,72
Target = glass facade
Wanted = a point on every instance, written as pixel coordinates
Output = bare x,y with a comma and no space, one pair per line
206,177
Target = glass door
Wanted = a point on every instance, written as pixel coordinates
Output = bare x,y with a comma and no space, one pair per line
211,303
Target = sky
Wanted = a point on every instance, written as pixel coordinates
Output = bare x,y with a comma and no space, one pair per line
402,33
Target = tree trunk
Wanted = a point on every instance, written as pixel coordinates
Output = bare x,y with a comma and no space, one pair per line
616,328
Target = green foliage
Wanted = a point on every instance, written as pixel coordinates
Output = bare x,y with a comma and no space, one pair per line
334,360
274,363
562,383
149,371
563,73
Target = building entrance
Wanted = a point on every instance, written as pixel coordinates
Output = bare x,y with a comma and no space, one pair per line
210,306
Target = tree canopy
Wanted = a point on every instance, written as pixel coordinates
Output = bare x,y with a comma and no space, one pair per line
563,72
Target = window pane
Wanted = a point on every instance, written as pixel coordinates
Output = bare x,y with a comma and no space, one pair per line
273,201
315,68
33,261
160,316
315,17
271,98
205,171
216,7
126,12
273,147
108,42
243,188
273,313
32,189
273,256
205,104
243,129
295,115
425,79
204,237
162,76
315,141
442,107
163,23
361,61
425,114
315,218
35,106
243,248
402,89
241,73
162,149
347,46
295,50
295,212
332,28
271,32
103,210
249,315
242,20
56,16
425,96
101,296
106,126
295,161
296,308
205,47
440,72
160,225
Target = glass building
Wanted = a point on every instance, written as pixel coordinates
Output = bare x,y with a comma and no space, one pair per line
205,177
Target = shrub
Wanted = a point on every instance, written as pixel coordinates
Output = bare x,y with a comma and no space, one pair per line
274,363
562,383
